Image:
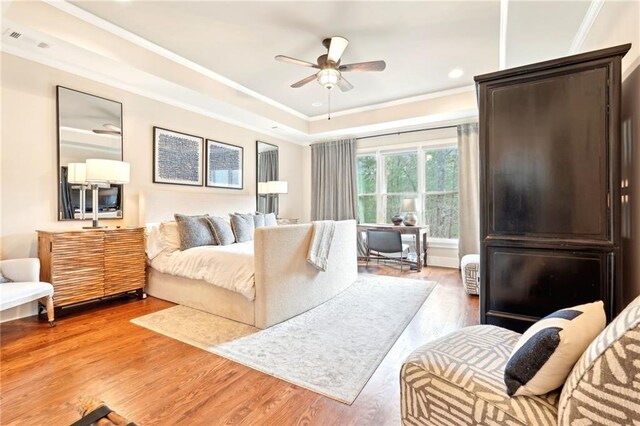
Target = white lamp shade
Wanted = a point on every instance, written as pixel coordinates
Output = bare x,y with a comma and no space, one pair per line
328,77
107,171
77,173
262,188
277,187
409,205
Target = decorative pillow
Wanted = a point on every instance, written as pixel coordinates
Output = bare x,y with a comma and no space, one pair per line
169,236
545,354
270,219
243,226
153,242
258,220
4,279
603,386
195,231
222,231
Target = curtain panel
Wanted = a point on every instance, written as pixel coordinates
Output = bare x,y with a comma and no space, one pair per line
268,171
469,189
333,180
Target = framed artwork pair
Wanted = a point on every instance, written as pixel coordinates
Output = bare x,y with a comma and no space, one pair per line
180,159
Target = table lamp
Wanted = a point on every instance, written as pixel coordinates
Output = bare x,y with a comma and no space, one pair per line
77,175
409,207
277,187
101,172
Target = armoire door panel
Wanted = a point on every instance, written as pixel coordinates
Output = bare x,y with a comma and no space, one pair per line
535,283
547,149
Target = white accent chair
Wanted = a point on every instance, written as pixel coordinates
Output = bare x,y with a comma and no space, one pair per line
26,286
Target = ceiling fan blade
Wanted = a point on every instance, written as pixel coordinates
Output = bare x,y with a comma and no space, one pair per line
303,81
295,61
113,127
336,48
106,132
363,66
344,85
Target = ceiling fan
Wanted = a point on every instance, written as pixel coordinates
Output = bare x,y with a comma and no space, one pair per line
109,129
330,69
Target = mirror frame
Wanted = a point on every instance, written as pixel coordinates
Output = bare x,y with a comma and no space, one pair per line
58,212
257,163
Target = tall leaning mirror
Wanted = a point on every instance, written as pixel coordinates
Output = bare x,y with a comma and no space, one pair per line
267,171
88,127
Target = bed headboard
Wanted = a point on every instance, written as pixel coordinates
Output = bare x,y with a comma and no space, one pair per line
160,205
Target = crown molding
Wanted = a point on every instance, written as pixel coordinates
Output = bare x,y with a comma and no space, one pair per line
504,19
585,27
403,101
105,25
299,139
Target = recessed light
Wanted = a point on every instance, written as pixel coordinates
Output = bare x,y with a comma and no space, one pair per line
456,73
316,104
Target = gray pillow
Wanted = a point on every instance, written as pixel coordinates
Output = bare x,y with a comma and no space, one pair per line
270,219
194,231
222,231
258,220
243,226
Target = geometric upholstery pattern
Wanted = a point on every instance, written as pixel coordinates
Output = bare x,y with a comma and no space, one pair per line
459,380
604,386
470,269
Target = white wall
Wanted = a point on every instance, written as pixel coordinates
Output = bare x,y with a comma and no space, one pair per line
28,152
28,177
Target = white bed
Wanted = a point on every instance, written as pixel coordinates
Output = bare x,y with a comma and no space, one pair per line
284,284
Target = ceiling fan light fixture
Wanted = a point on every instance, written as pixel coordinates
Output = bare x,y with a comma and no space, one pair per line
328,77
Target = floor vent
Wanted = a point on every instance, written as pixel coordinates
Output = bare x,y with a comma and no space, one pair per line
15,34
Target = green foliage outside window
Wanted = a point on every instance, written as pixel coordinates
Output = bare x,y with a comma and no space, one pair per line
440,196
441,192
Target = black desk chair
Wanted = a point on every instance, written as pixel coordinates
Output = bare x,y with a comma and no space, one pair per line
386,245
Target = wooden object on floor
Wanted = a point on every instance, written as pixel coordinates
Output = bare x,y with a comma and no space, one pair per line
420,232
550,187
95,412
83,265
156,380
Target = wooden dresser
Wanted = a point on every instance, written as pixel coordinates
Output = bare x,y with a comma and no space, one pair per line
84,265
550,188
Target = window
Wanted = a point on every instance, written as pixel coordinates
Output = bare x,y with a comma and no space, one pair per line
427,172
366,169
401,181
440,198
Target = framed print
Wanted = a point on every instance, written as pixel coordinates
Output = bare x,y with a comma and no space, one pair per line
177,158
224,165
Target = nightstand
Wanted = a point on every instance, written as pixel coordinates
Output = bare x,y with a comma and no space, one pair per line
283,221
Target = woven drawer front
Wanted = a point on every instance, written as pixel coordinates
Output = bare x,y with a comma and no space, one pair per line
124,260
77,268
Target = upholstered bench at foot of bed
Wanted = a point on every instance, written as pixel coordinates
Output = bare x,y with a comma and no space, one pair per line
458,379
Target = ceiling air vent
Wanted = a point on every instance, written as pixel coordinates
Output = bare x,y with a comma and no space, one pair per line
15,34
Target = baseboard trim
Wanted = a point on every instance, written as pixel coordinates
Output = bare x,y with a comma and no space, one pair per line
443,261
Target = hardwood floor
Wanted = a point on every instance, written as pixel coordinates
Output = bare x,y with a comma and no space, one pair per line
155,380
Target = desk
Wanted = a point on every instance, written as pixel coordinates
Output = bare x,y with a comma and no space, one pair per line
420,232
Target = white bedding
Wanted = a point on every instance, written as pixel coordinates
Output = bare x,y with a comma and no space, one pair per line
229,267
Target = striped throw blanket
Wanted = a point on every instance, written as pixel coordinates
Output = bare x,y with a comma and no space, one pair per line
318,254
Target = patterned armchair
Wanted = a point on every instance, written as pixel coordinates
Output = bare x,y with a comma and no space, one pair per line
458,379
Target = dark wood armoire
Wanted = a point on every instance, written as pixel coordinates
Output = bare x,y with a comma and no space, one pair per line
550,187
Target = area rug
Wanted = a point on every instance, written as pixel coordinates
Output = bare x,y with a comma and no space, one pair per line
332,349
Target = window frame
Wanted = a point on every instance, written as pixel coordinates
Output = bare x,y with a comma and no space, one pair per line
381,194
